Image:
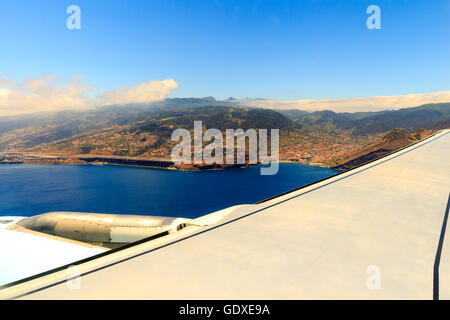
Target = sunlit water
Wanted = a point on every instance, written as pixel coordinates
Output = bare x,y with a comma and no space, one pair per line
27,190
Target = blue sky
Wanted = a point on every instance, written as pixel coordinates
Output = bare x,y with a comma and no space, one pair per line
283,50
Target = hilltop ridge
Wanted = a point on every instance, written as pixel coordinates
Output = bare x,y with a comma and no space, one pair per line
392,141
144,130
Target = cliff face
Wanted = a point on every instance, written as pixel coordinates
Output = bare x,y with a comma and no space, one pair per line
394,140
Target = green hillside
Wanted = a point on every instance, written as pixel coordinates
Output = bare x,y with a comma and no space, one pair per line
362,123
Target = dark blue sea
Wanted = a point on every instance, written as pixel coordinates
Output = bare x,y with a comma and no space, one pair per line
27,190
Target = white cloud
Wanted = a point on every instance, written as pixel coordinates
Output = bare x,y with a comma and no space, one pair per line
354,104
46,93
4,92
142,93
51,93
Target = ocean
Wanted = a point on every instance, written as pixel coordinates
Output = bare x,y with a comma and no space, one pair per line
27,189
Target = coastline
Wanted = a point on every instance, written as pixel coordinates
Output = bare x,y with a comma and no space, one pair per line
161,163
312,164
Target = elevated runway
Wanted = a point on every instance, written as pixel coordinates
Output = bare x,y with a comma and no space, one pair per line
129,162
369,233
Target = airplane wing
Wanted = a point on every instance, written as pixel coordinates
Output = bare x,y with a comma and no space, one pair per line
375,232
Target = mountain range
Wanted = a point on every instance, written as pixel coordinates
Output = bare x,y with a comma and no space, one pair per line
144,130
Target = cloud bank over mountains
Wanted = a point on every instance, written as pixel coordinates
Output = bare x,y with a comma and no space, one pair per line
52,93
145,92
355,104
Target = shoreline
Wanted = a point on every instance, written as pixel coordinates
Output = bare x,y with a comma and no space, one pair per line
80,160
